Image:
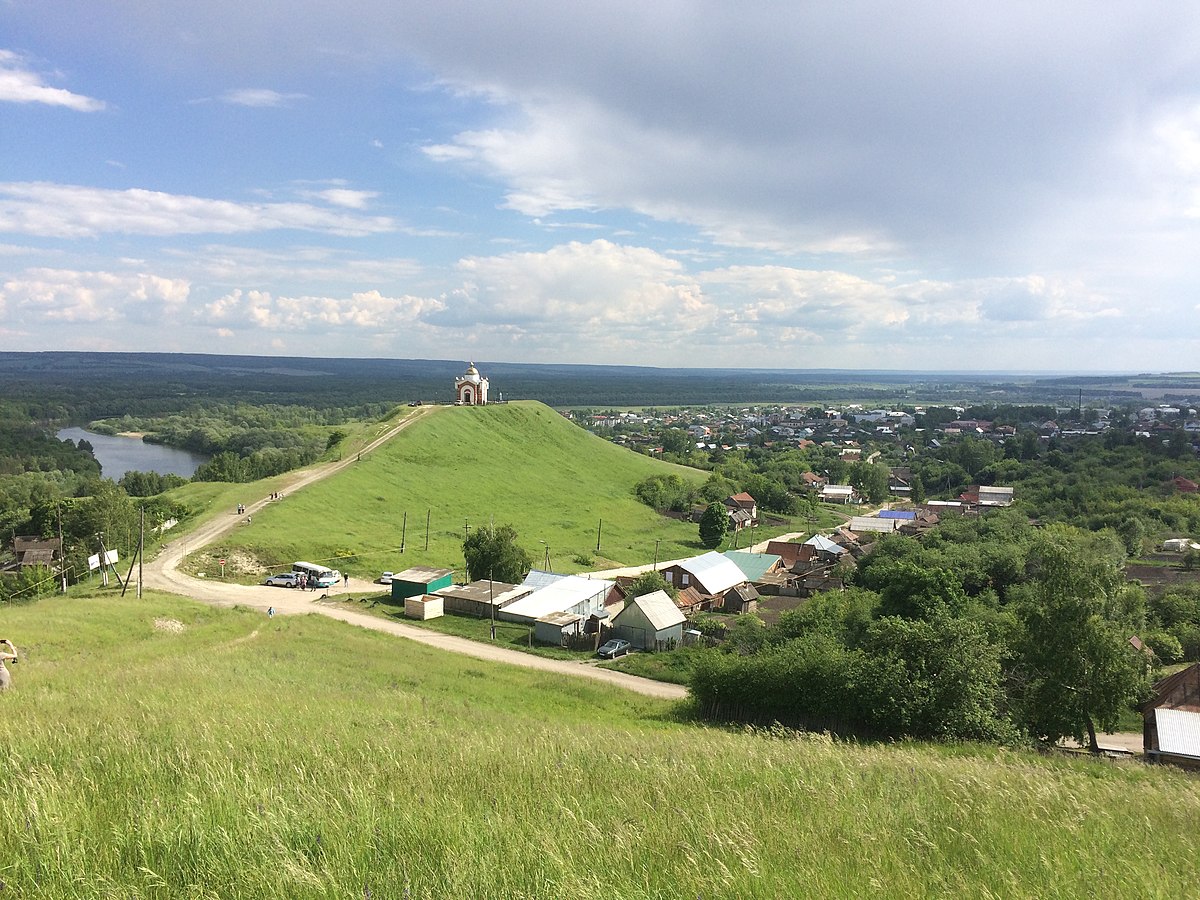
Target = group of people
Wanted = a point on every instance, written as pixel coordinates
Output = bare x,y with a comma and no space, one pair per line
306,582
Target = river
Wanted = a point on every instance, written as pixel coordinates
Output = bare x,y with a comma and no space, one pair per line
118,455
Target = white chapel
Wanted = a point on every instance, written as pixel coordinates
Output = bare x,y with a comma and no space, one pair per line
471,388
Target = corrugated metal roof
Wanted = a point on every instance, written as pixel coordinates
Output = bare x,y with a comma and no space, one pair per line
421,575
753,565
1178,731
824,544
537,579
565,592
658,608
869,523
714,571
902,514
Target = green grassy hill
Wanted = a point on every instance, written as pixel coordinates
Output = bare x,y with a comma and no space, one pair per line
160,748
521,463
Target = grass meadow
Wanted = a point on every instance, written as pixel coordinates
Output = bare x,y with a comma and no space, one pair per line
519,463
165,749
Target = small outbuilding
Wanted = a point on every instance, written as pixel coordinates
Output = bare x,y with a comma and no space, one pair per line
420,580
554,628
650,622
423,606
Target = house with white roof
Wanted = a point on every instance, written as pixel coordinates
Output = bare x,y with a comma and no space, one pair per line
557,594
710,573
838,493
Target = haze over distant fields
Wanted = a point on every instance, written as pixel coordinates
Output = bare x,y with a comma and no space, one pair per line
925,186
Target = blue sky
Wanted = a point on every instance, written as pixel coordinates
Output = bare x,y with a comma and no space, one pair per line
921,186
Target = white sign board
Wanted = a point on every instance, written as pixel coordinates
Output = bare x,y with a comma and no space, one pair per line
110,559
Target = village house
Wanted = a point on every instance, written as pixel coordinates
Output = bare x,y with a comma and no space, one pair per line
1171,720
710,574
744,504
650,622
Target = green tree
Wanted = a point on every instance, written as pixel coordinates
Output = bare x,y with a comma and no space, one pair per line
714,525
1076,668
494,553
649,582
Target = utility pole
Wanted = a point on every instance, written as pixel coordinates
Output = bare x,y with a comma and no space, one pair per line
103,560
656,543
141,548
428,513
403,530
491,605
62,552
599,528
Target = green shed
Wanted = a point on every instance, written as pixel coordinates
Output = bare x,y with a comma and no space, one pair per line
420,580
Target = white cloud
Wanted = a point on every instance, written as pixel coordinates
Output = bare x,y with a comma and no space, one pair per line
259,98
66,296
593,290
312,314
19,84
344,197
73,211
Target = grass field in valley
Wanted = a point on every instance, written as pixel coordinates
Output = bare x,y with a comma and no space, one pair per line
520,463
161,748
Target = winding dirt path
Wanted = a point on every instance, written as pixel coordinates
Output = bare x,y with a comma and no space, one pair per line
162,573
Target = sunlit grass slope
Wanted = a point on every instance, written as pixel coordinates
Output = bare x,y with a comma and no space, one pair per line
520,463
300,757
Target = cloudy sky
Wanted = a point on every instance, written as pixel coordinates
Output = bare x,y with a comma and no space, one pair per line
1008,186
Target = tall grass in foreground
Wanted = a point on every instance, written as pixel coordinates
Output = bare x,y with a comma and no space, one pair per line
299,757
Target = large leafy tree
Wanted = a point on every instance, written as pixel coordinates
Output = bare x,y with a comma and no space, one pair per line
493,553
714,525
1076,669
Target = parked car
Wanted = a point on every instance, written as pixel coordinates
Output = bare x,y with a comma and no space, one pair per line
612,649
386,578
283,579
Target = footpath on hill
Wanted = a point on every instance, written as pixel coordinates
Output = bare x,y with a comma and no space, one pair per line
162,573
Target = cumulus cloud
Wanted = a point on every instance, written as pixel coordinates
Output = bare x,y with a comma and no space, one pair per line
581,289
73,211
66,296
20,84
313,314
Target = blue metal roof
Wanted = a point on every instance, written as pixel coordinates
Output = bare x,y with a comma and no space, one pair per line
905,514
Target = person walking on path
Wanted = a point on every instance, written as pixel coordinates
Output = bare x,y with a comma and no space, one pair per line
5,656
270,612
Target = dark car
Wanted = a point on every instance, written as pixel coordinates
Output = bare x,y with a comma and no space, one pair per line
612,649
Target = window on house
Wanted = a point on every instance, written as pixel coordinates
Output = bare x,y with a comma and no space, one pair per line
684,582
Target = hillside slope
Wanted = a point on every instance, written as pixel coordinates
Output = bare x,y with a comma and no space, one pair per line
519,463
162,748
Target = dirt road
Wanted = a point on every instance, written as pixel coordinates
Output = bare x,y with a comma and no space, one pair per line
162,573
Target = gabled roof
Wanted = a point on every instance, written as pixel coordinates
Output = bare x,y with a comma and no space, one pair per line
714,571
786,551
560,595
901,514
658,608
824,544
753,565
